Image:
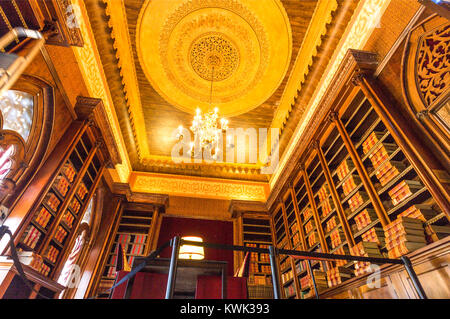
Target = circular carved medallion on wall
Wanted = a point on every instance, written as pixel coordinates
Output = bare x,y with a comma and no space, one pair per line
247,42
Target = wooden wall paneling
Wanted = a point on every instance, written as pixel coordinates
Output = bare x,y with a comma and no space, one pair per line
334,195
413,146
362,172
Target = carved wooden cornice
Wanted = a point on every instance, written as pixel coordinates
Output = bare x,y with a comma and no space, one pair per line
242,206
318,27
115,10
61,17
158,200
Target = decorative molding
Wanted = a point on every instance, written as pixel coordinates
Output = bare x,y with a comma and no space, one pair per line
198,187
243,206
317,28
115,10
91,68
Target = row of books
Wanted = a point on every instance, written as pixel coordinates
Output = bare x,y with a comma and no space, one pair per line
305,282
82,191
31,236
381,153
52,253
403,236
286,276
75,205
60,234
350,184
387,171
341,251
266,269
313,239
375,235
68,219
260,280
371,141
320,278
337,237
289,291
34,261
366,217
43,217
331,224
344,168
309,226
69,171
307,213
403,190
61,185
338,275
253,267
365,249
52,201
357,200
295,239
323,192
300,266
327,207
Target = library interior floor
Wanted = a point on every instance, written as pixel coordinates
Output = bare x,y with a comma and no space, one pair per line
312,136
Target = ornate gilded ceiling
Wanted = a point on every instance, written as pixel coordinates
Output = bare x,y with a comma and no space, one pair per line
244,47
160,57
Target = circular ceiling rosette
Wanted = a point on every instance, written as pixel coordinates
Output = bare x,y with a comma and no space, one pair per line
244,47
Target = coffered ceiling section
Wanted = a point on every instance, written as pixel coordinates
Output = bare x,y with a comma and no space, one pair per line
162,55
243,47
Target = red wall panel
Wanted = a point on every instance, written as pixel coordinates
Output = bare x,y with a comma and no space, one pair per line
212,231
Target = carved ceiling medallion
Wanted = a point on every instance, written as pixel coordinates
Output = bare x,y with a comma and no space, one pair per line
213,57
179,42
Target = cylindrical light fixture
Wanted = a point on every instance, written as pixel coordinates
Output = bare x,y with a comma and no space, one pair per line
191,251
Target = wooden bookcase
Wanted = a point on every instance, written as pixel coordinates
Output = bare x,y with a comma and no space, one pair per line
353,179
51,208
257,233
135,231
57,215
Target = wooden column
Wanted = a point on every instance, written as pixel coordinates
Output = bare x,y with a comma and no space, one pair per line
323,242
362,172
414,148
335,196
297,217
289,246
274,239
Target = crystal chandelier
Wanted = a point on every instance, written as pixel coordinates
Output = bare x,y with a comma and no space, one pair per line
208,128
